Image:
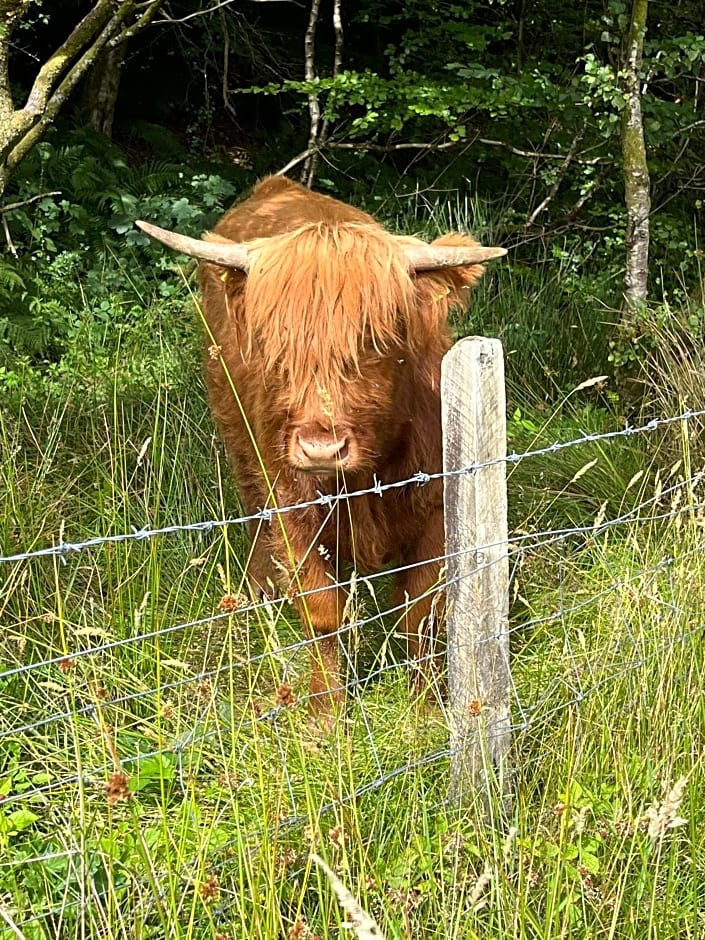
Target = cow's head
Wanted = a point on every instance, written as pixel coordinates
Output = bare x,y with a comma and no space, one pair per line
341,322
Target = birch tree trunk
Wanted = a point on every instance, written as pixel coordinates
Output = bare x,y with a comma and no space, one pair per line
635,168
318,128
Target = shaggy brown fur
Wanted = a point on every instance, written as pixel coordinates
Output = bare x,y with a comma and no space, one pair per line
334,350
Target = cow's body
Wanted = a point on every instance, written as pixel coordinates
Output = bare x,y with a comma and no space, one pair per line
331,351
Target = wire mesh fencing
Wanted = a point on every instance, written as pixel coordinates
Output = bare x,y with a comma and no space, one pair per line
127,690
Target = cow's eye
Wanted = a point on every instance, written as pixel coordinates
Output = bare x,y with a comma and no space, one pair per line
351,368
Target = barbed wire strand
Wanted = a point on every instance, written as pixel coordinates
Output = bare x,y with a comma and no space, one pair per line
63,549
540,539
175,747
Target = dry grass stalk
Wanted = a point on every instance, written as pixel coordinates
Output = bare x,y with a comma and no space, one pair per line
509,842
359,920
475,900
664,817
11,925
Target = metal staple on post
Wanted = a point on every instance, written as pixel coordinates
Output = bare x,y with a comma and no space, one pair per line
474,433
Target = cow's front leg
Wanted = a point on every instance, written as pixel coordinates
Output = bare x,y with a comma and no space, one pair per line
320,605
418,593
260,574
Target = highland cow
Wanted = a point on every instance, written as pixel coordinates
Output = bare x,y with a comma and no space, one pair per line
327,334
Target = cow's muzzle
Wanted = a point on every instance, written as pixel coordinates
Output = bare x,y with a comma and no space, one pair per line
320,452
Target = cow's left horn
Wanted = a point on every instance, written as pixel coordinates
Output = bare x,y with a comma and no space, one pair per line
430,257
229,254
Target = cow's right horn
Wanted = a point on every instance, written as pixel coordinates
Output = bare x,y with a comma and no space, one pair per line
229,254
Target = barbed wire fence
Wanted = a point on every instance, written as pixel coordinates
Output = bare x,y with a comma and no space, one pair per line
48,699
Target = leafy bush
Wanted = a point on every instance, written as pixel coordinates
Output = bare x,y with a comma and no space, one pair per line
83,273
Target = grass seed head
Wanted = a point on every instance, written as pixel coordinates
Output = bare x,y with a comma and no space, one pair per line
359,920
230,603
476,901
117,788
210,889
665,816
285,696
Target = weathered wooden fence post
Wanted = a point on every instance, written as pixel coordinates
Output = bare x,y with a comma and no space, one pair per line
474,432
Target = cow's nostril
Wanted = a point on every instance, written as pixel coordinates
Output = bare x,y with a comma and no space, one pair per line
317,451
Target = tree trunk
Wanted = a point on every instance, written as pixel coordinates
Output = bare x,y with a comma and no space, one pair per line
56,78
11,12
636,171
318,129
102,87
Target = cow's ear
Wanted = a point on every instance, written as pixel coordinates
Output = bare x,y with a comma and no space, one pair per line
448,287
222,291
459,278
441,289
217,280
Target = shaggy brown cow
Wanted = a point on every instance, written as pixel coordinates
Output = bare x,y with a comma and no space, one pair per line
331,332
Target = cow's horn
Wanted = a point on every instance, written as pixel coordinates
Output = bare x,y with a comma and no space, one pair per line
229,254
430,257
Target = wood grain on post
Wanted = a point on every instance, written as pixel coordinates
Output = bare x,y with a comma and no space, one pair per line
474,433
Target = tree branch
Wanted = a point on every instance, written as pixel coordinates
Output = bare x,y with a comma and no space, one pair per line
29,126
434,145
376,148
556,186
171,20
152,7
226,65
12,12
55,67
8,207
18,205
539,155
58,77
589,191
